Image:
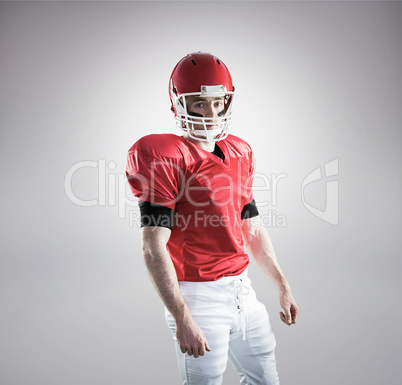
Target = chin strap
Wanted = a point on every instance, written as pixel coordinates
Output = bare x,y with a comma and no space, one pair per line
209,135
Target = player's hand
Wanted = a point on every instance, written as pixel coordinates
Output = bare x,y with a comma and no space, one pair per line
191,338
289,306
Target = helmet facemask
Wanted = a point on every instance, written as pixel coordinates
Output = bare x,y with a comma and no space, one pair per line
205,129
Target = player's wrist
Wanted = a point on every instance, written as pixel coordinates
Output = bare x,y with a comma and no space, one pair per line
284,289
183,317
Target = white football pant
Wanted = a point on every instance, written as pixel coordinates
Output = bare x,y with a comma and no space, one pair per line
236,326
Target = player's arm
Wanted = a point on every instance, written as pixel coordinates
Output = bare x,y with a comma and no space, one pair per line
160,267
259,244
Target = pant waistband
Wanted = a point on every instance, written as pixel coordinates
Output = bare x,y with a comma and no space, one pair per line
222,282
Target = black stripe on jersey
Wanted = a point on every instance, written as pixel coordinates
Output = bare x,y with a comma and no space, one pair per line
155,215
249,210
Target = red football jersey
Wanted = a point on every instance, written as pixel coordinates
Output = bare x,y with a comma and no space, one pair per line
207,195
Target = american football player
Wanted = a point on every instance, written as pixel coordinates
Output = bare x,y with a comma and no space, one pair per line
197,216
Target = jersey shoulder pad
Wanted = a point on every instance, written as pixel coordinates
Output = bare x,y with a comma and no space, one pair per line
159,146
238,146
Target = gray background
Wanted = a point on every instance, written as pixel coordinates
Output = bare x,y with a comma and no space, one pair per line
82,81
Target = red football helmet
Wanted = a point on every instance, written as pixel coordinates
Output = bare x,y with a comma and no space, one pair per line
201,74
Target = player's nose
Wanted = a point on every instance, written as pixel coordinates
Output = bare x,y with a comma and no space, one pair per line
211,111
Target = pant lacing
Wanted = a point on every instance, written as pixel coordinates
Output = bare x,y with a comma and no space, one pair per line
240,290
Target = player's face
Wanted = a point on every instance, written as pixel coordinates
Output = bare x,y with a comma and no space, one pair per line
206,107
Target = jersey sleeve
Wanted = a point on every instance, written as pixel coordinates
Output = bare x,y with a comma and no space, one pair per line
154,179
249,210
250,179
156,215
